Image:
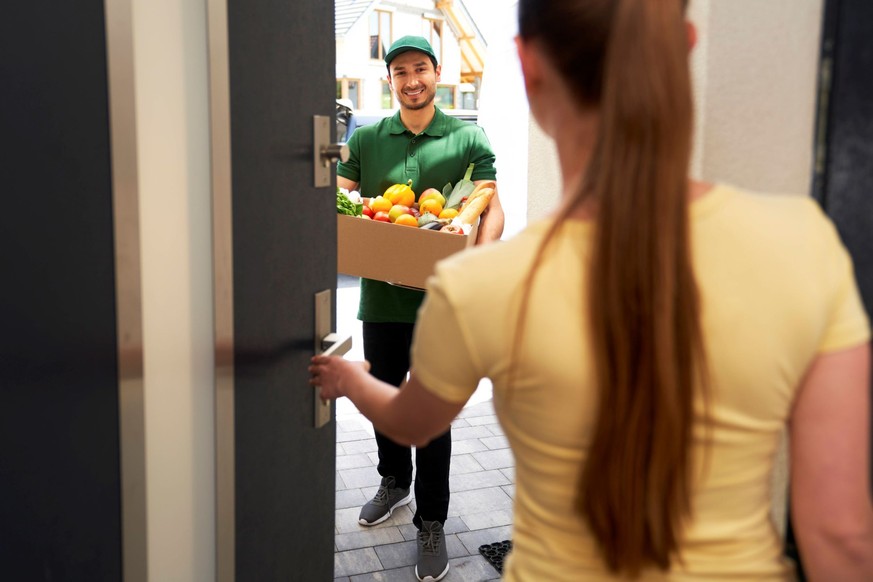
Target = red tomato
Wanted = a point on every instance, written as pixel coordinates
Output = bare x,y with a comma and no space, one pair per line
381,216
368,212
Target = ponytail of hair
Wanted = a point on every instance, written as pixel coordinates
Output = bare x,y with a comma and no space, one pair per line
644,307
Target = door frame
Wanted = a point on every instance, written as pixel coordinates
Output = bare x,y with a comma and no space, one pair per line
118,15
222,256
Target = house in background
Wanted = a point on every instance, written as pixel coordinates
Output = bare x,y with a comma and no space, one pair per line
366,28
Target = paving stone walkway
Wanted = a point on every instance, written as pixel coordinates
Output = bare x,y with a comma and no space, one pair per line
481,485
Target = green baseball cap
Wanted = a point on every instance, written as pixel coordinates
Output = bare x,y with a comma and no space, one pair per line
409,43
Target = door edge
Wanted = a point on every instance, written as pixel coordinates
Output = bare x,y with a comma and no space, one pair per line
222,252
128,289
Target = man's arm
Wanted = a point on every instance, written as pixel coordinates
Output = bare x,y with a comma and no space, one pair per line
346,183
491,221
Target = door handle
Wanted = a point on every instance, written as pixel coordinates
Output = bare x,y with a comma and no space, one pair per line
327,343
325,152
335,345
331,345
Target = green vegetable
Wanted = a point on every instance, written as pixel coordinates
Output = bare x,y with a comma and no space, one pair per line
426,219
462,189
344,205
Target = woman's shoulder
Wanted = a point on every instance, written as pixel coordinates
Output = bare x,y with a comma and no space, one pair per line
767,204
766,212
503,261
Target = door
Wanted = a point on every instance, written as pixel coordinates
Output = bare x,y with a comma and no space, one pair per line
61,507
276,468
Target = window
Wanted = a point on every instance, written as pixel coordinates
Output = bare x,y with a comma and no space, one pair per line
349,89
433,31
387,96
380,34
445,96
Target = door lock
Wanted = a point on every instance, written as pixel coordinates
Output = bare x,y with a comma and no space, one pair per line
325,152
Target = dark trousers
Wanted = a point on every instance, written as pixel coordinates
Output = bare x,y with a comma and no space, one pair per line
386,347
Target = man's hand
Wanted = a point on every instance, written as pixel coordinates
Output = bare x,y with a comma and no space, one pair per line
346,183
491,220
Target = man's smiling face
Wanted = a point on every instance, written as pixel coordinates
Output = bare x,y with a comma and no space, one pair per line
413,79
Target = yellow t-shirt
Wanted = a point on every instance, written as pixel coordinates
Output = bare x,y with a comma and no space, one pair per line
777,288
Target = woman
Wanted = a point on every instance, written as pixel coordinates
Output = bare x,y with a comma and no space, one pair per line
648,343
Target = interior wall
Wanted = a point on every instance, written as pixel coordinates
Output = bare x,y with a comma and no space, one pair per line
754,72
175,211
756,81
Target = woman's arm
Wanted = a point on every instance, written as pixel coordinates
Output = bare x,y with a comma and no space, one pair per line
831,504
411,415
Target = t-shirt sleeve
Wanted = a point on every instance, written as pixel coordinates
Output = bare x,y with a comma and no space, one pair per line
483,157
440,356
351,168
848,324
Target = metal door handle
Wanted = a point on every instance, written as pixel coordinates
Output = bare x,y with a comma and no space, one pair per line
331,345
334,152
334,345
325,153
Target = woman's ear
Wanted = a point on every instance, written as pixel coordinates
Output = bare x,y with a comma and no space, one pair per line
691,30
530,66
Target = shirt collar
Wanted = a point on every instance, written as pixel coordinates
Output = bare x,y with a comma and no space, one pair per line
437,127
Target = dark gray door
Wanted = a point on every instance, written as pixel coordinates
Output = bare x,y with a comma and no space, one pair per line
281,56
60,482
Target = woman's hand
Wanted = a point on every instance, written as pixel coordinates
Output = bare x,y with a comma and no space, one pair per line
336,376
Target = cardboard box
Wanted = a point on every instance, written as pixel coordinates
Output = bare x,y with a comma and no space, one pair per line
400,255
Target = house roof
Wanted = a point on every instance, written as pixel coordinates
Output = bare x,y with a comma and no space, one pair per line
348,12
469,36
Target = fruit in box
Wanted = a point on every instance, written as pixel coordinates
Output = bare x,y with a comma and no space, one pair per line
431,205
406,220
432,193
380,204
398,210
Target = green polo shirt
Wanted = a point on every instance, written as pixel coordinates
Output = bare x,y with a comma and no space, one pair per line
387,153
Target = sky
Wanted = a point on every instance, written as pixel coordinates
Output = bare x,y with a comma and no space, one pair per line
483,12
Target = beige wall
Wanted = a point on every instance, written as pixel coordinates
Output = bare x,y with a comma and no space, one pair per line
755,79
754,72
172,105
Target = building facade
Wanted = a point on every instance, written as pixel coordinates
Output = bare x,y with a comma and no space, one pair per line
366,28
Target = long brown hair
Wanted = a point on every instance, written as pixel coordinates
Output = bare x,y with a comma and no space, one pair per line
630,59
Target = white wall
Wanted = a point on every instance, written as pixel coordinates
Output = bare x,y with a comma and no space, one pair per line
170,52
503,113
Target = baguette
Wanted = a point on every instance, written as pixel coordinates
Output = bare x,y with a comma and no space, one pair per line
475,206
477,191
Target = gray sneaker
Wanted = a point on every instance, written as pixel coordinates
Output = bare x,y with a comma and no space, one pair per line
386,500
433,561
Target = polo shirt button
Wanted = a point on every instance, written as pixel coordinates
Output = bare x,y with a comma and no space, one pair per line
411,154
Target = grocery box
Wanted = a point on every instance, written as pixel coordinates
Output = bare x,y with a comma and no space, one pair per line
401,255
